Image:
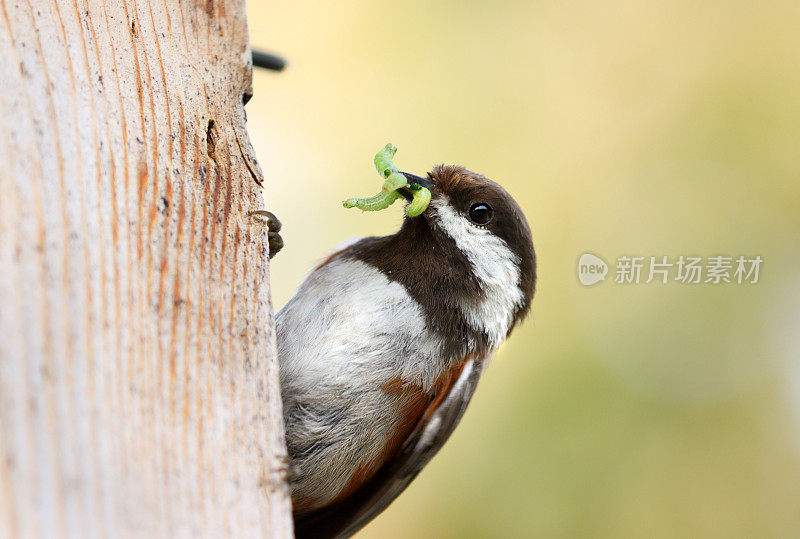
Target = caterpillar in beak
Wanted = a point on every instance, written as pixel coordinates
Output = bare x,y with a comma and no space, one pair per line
389,193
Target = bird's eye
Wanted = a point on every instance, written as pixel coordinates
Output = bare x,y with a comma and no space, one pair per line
481,213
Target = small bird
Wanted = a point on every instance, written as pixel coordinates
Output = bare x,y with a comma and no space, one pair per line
382,345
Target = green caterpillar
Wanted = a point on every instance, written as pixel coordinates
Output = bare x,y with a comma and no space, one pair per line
383,160
393,180
422,197
381,201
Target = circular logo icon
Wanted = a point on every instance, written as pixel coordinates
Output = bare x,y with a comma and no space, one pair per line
591,269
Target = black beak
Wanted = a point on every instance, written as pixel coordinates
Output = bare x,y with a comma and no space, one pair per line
407,193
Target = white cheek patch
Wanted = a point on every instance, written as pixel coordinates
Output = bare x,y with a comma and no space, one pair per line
496,267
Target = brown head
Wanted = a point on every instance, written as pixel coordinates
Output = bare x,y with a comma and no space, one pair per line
468,259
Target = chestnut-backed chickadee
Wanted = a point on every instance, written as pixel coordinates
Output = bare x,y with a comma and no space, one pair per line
382,345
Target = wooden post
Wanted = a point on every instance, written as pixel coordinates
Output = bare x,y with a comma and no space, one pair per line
138,383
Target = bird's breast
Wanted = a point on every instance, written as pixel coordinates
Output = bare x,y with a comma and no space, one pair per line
349,322
358,364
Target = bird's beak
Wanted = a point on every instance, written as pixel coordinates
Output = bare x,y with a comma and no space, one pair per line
407,193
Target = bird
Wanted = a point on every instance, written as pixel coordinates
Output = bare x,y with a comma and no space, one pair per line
381,347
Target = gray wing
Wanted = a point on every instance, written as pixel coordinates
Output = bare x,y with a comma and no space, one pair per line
345,518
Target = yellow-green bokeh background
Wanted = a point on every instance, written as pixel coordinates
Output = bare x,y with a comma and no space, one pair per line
621,127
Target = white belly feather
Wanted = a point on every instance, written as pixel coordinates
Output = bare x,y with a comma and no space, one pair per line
346,333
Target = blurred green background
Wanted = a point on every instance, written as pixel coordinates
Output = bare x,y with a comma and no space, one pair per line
622,128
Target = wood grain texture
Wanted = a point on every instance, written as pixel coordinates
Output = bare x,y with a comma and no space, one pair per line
138,379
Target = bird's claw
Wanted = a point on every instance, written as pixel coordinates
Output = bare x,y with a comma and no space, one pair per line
274,238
